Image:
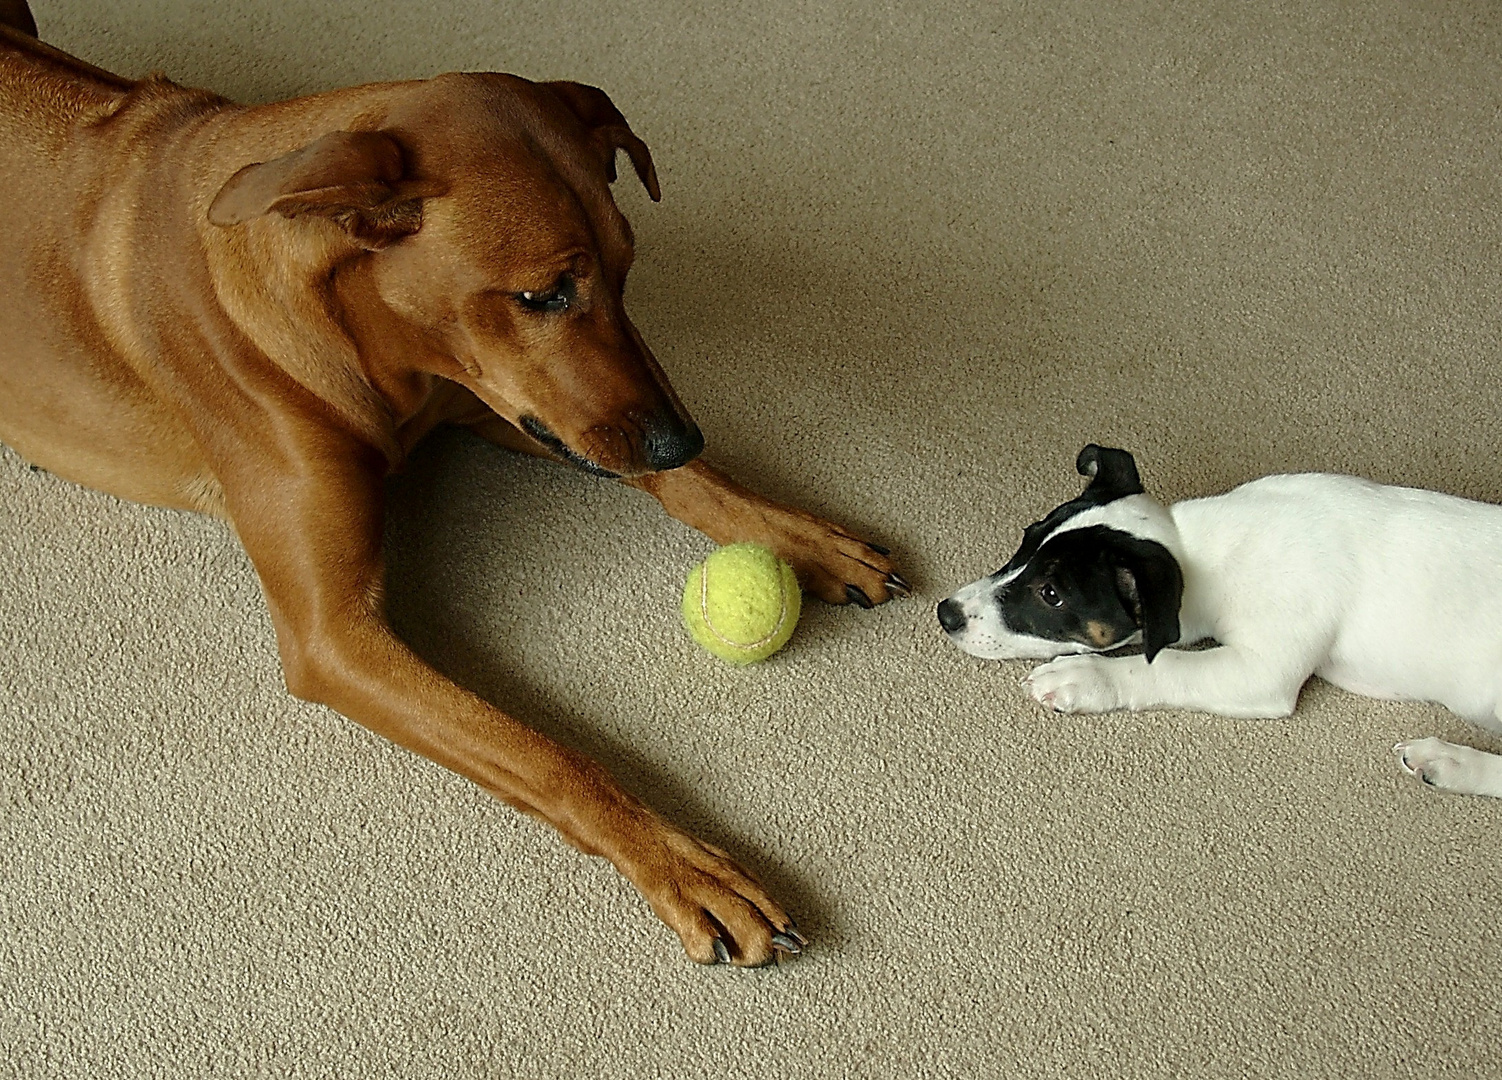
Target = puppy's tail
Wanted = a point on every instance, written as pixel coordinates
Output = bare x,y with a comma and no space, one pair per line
17,15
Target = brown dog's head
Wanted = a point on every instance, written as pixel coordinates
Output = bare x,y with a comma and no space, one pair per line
483,246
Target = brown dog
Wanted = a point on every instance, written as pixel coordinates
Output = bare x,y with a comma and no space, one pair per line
256,312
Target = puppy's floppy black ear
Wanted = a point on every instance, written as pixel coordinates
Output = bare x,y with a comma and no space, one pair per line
1152,586
1112,473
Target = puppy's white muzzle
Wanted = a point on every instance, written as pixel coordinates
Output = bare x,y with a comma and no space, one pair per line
973,620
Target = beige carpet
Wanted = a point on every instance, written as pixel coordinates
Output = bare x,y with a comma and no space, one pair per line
909,259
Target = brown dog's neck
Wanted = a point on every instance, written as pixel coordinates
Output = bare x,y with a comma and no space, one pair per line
399,362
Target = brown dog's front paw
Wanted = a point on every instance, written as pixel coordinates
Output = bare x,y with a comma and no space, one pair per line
721,913
840,569
830,563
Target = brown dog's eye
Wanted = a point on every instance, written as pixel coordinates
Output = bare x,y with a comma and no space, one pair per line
1050,595
556,299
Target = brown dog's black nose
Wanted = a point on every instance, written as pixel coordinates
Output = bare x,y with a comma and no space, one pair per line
669,442
951,618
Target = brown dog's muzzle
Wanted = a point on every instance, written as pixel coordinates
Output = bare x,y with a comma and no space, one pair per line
665,441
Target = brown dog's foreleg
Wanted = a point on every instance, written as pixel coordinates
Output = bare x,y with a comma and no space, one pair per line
829,562
311,523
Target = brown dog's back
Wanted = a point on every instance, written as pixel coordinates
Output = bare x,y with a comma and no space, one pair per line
69,399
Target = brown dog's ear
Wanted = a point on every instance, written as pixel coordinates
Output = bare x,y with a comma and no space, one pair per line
609,130
354,178
17,15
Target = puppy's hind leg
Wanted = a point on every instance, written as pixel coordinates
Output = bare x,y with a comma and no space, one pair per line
1449,767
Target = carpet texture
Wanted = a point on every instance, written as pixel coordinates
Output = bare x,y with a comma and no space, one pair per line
909,259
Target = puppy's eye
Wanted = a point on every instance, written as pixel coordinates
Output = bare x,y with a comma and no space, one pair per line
1050,595
553,300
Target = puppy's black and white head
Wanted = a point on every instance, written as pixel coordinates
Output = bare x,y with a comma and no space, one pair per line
1096,573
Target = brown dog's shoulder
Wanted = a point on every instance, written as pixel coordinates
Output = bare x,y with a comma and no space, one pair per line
161,101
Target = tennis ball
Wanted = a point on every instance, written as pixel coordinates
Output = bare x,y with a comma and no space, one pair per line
741,603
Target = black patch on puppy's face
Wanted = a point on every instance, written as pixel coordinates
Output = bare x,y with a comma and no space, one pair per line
1095,586
1113,475
1068,592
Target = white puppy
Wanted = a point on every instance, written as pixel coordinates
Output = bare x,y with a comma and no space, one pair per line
1385,591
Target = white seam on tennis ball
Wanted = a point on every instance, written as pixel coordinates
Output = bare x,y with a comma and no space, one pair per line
782,592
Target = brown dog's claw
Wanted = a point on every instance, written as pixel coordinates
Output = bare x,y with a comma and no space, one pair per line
720,913
897,586
855,595
786,944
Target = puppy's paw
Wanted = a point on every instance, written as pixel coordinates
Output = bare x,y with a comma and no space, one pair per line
1076,684
1448,767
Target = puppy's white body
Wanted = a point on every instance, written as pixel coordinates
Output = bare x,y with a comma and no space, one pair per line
1385,591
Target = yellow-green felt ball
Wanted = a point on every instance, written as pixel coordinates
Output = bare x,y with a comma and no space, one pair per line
741,603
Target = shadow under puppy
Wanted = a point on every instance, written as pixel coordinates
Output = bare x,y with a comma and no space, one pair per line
1384,591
